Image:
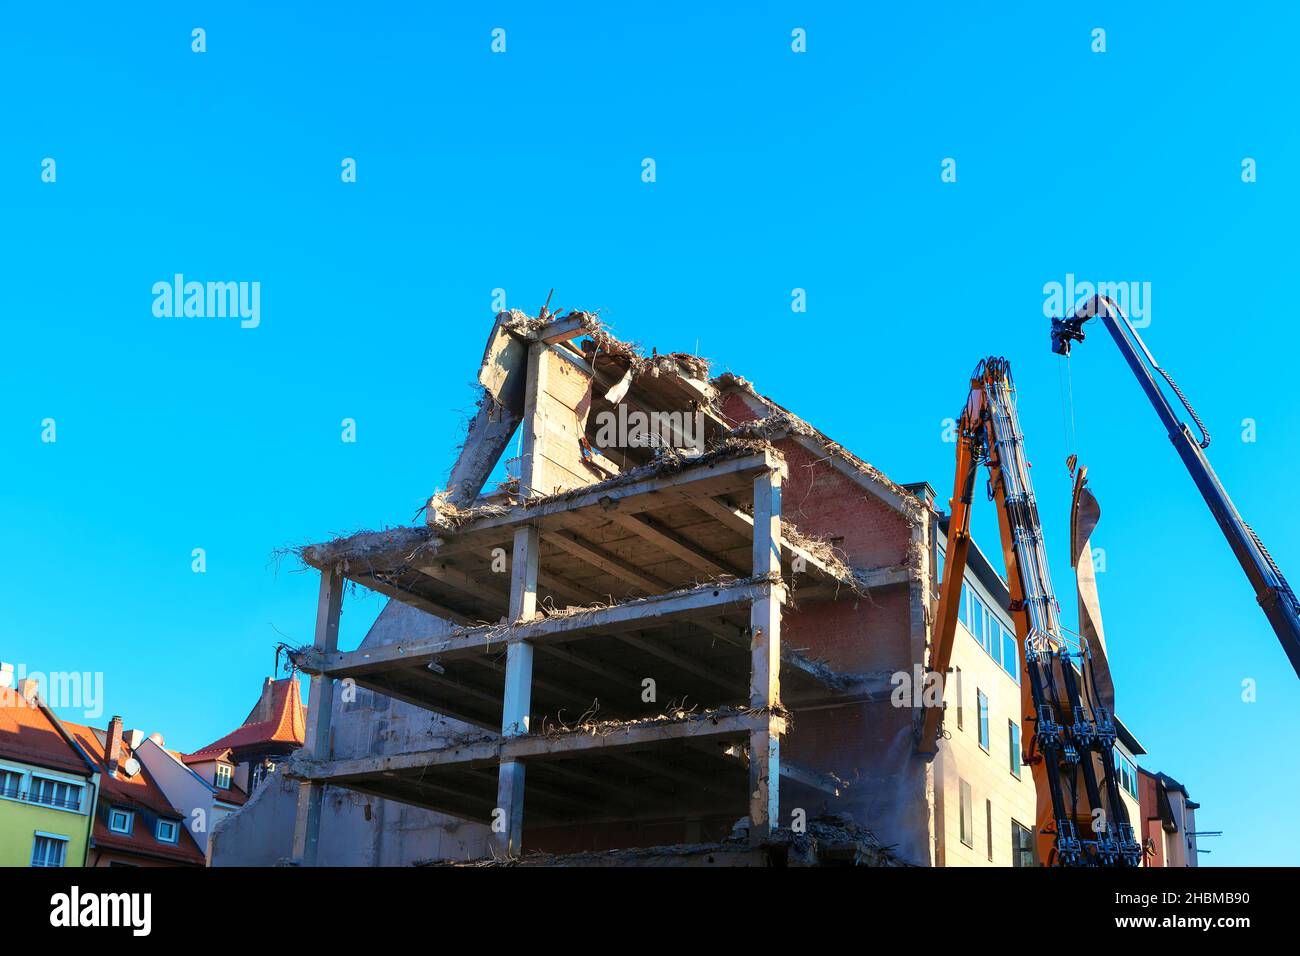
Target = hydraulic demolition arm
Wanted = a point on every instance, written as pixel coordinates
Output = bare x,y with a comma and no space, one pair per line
1082,821
1271,589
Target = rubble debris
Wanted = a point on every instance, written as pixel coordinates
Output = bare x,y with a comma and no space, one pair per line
831,839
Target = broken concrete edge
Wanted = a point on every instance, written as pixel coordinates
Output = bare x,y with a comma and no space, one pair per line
547,327
827,839
302,766
488,636
670,462
838,681
364,549
678,715
415,539
576,323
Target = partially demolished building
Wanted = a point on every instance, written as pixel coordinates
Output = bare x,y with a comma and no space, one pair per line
686,628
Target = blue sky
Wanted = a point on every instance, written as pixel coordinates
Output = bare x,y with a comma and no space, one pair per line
523,171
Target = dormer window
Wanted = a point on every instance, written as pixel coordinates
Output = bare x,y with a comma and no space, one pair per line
224,772
167,831
120,821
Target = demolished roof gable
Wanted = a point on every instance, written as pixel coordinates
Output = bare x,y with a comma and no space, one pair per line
615,372
772,421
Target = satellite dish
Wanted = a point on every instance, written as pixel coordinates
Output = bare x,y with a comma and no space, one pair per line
131,767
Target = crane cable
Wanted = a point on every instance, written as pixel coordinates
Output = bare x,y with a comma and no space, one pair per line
1065,376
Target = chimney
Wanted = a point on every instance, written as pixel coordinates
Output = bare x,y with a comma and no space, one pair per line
27,688
113,745
265,701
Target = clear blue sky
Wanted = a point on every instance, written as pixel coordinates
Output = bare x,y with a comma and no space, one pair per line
522,171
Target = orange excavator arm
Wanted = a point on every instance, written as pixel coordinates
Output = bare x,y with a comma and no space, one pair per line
955,556
1082,821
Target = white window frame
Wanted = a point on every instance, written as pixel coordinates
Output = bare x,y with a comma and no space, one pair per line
1127,773
176,831
127,815
56,837
229,774
21,773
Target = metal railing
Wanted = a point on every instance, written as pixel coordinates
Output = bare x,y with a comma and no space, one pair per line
13,793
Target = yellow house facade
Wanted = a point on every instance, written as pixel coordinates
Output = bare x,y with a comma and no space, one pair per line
48,787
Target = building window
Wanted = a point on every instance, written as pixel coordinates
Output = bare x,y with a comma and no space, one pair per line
55,793
957,681
967,822
120,821
167,831
11,784
991,642
223,775
1010,653
988,820
1022,845
982,703
1127,774
49,850
1013,739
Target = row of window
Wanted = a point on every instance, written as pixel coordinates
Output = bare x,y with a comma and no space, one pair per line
51,849
985,626
123,821
47,791
998,642
1022,838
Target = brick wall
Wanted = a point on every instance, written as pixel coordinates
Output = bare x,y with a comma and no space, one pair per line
870,745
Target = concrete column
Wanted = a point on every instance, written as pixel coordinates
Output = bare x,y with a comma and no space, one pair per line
508,826
765,658
320,710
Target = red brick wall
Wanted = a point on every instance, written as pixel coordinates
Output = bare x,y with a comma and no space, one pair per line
870,745
1148,828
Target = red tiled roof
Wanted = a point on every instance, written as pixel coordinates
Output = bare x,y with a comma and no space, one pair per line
233,795
184,850
27,734
206,755
138,792
279,718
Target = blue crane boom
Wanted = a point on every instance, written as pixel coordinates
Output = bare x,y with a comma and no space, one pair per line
1271,589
